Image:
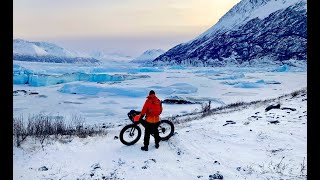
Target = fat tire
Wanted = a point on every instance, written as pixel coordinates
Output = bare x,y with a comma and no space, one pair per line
171,132
137,128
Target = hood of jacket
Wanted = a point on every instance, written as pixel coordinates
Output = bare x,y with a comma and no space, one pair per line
151,96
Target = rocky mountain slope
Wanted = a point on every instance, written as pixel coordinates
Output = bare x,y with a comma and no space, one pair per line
264,30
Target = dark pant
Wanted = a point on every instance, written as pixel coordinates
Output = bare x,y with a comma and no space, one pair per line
151,128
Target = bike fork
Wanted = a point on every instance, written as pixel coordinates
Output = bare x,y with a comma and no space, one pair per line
132,131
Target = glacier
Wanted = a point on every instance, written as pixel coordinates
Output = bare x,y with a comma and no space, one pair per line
94,89
37,74
47,79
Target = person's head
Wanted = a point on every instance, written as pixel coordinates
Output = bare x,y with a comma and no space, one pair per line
152,92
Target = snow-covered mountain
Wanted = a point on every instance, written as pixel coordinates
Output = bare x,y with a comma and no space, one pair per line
148,56
24,47
107,57
251,30
46,52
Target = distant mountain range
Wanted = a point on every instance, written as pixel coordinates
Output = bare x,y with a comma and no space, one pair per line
23,47
46,52
24,50
116,57
148,56
252,31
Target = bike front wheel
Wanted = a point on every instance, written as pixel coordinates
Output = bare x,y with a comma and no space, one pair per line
130,134
166,129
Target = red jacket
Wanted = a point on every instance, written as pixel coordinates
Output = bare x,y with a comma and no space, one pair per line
147,107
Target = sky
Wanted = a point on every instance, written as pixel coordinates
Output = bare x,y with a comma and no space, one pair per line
127,27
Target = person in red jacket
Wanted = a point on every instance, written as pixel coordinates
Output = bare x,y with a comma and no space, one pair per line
152,108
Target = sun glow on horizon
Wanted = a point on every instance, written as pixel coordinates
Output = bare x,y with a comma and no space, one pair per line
80,18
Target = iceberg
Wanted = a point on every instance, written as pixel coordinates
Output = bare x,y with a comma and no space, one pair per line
284,68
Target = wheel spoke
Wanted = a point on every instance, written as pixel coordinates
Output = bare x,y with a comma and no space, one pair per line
130,134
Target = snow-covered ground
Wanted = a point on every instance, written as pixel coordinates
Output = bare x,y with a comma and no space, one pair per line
252,148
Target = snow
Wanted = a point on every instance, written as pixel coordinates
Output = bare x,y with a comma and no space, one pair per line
24,47
74,82
249,149
148,55
107,57
39,51
272,6
247,10
236,76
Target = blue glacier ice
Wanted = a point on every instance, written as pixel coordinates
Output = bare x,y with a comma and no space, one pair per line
126,69
210,71
46,79
20,74
247,85
177,67
20,78
96,90
85,89
231,77
149,70
267,82
283,68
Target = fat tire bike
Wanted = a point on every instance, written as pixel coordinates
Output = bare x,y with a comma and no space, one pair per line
130,134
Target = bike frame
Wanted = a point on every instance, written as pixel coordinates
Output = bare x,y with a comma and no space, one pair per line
141,121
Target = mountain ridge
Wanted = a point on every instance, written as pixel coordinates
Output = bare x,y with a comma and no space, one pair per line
40,51
148,56
278,36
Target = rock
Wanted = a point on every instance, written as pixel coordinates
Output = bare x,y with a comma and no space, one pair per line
287,108
229,122
216,162
176,101
273,106
31,93
274,122
43,168
215,176
96,166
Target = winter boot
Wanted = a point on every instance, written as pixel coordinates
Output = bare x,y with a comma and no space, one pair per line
144,148
157,145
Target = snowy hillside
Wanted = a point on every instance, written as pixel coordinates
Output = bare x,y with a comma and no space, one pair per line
271,31
46,52
245,11
247,142
240,139
148,56
24,47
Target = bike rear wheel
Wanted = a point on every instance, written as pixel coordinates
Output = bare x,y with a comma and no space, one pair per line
166,129
130,134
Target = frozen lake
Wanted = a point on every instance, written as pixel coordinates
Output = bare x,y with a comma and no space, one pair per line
105,93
